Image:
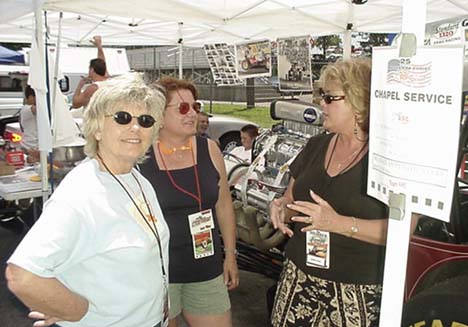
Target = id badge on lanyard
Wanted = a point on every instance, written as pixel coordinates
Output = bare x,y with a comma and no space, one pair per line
201,224
165,316
318,249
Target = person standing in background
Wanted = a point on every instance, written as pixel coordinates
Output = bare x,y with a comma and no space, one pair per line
203,124
97,73
28,124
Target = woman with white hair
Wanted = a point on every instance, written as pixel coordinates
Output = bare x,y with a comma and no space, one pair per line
98,255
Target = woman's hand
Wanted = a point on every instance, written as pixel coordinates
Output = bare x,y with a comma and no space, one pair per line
43,320
231,272
319,215
278,216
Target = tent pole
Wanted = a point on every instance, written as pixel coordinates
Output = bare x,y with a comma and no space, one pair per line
41,93
56,68
181,53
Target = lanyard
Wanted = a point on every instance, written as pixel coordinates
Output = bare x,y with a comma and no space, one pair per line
197,181
153,228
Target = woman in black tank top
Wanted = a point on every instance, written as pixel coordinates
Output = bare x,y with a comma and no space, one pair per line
190,180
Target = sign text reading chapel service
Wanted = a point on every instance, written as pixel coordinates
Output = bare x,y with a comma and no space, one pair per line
414,127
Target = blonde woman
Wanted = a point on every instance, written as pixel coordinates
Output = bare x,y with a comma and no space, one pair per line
333,271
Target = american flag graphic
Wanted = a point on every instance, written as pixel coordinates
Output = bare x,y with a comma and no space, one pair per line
412,75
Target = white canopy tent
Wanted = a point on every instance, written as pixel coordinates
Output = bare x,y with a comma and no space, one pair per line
153,22
198,22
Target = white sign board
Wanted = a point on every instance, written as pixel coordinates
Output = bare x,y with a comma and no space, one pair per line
76,60
414,127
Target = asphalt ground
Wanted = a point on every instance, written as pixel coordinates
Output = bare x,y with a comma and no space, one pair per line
249,304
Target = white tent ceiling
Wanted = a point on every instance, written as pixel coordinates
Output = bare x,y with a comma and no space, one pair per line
156,22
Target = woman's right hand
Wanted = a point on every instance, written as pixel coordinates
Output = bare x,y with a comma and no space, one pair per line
43,320
278,216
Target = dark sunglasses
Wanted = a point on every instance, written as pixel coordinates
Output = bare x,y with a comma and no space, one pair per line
330,98
184,107
124,118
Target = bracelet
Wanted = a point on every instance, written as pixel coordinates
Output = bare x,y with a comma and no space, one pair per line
354,229
228,250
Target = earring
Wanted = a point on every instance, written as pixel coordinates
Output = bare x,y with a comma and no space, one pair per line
356,131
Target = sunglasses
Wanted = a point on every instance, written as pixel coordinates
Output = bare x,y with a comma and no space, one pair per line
184,107
330,98
124,118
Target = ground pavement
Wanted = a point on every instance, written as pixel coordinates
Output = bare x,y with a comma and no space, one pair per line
248,301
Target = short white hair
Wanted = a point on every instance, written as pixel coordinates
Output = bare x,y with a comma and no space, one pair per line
128,88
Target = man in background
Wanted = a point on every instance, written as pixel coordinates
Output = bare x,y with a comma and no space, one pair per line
28,124
97,73
203,124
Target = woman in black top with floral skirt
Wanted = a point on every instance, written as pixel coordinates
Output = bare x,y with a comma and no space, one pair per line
334,260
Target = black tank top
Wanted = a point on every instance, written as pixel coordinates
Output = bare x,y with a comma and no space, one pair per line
176,206
351,260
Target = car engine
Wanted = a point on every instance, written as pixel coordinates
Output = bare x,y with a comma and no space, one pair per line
253,186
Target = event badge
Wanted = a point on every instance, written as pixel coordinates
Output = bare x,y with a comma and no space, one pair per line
318,249
201,224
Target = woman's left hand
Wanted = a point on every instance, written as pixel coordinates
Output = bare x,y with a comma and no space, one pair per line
319,215
231,272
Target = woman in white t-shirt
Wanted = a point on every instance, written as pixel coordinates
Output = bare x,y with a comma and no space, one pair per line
98,254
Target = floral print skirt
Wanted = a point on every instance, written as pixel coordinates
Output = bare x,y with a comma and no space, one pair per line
303,300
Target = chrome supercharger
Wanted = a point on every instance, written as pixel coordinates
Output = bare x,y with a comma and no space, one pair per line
253,186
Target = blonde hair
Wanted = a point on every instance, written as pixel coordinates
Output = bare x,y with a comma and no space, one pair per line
110,95
354,77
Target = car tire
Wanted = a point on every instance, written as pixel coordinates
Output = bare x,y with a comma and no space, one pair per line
445,302
229,141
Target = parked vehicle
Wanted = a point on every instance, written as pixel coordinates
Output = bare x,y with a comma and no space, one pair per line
12,81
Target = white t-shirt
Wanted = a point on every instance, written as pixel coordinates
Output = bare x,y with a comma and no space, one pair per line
91,237
29,125
242,153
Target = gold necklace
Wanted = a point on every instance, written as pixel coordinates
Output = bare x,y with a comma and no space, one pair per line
341,163
353,155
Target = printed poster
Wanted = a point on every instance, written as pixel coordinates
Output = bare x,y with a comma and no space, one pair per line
414,127
221,59
294,69
253,59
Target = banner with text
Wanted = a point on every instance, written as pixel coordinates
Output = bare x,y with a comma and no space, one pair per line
414,127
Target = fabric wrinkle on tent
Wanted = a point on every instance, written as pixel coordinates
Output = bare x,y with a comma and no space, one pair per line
8,56
156,22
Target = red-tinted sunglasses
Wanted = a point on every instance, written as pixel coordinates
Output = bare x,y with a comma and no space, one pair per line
184,107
